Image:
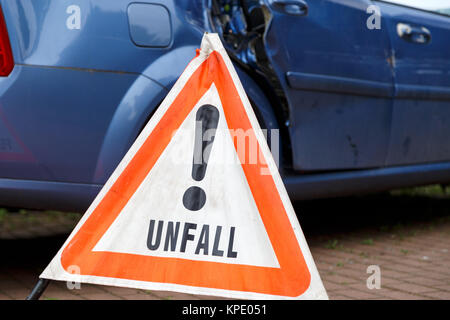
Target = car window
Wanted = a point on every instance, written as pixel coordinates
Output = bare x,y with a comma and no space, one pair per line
437,6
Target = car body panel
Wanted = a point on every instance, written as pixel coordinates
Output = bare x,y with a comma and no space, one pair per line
86,112
78,196
90,102
60,116
336,75
421,111
103,42
347,183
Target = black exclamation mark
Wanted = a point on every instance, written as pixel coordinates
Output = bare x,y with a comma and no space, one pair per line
207,118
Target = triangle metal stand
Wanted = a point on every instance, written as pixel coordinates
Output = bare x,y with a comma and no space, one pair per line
38,289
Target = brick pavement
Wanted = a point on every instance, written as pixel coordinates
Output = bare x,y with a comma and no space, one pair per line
413,257
412,267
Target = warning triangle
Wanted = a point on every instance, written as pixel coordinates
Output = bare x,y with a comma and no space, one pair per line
229,204
189,209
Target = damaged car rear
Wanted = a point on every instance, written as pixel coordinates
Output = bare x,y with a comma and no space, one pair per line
357,109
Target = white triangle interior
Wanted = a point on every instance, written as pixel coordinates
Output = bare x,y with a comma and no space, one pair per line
229,202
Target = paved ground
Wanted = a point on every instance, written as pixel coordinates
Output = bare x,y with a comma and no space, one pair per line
405,233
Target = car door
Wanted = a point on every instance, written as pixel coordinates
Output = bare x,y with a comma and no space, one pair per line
336,74
420,35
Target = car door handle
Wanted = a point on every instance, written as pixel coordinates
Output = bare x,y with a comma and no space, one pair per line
420,35
292,7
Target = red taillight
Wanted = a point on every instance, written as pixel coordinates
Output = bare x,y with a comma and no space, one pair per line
6,57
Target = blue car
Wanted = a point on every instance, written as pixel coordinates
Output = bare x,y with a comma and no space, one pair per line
359,89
